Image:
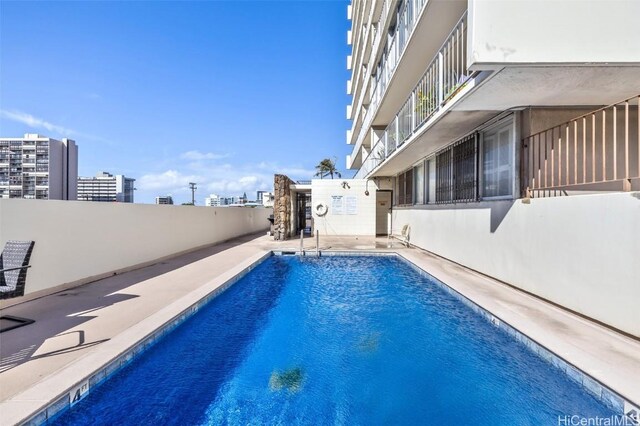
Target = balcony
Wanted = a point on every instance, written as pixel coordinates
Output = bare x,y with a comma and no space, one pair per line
420,29
445,77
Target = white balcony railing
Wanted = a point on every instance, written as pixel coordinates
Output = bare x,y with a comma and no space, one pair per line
406,22
444,77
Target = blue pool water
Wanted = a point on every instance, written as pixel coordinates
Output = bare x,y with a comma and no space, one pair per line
335,340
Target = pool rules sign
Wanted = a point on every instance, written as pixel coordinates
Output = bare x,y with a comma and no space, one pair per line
344,205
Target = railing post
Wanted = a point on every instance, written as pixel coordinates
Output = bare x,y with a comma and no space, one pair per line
302,242
440,88
413,111
317,243
396,131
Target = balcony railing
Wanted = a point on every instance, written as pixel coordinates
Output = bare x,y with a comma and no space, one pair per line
444,77
406,23
597,151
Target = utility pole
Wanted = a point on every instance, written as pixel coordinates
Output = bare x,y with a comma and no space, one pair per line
193,187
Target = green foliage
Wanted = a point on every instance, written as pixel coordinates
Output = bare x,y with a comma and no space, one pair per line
327,167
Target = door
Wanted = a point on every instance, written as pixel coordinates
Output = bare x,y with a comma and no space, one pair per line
383,212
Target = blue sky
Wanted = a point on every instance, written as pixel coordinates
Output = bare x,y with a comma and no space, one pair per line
221,93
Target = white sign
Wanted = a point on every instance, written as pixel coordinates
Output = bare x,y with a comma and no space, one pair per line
337,204
352,205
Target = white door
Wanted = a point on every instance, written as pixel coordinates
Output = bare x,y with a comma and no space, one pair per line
383,212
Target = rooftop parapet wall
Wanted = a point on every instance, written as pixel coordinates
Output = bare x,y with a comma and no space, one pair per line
77,242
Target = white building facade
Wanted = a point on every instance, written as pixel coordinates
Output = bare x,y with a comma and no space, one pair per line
105,187
483,125
38,167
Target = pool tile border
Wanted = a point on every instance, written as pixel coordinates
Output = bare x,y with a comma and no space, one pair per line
600,391
69,398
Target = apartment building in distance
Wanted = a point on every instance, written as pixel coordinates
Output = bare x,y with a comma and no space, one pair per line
38,167
164,199
503,135
214,200
105,187
265,198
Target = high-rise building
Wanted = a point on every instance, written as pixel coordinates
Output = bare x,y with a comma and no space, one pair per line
38,167
106,187
454,103
164,199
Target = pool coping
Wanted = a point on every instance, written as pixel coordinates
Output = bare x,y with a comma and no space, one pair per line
69,391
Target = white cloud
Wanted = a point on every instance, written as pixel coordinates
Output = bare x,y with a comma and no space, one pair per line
167,182
35,122
223,179
39,123
200,156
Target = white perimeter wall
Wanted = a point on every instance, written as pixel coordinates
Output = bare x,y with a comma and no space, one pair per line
78,240
556,31
363,223
581,252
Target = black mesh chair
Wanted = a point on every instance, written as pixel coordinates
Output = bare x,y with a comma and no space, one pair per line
14,262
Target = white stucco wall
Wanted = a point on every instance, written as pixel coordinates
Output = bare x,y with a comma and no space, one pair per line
555,31
580,252
362,223
79,240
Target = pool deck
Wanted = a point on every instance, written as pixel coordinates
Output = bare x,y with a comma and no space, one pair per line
79,330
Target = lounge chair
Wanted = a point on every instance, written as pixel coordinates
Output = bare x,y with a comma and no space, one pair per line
14,262
404,235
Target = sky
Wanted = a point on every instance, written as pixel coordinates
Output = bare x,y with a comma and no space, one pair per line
224,94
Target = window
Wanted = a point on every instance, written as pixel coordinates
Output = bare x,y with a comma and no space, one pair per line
431,178
418,172
456,171
497,162
405,188
453,174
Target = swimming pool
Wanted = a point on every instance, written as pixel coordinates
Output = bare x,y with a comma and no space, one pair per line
336,340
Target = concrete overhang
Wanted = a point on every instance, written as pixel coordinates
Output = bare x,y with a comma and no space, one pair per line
300,187
451,126
523,86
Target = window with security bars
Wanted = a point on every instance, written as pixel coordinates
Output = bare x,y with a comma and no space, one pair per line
456,172
405,188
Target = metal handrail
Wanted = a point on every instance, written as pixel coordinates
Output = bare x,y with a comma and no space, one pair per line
591,149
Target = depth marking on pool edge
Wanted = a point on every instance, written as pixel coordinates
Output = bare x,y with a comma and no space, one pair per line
495,321
79,392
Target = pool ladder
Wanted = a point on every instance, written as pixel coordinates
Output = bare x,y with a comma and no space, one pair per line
302,253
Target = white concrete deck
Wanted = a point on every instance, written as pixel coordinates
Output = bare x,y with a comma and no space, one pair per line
80,330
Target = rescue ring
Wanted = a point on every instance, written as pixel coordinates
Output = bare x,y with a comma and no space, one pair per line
321,209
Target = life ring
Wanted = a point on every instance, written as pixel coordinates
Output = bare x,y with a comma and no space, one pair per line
321,209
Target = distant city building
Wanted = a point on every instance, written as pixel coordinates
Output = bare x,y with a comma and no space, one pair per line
265,198
164,199
214,200
106,187
240,199
38,167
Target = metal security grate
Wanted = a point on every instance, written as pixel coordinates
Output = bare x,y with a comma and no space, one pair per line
457,171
